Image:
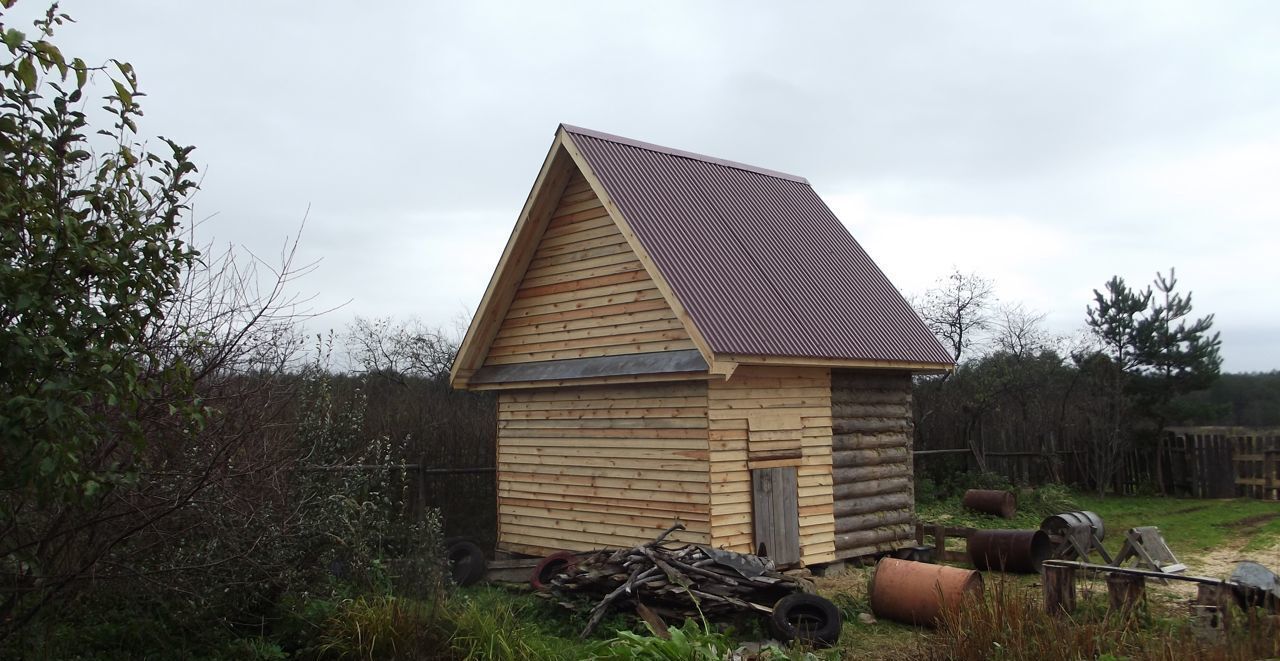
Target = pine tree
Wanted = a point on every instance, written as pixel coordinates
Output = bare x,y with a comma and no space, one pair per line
1152,353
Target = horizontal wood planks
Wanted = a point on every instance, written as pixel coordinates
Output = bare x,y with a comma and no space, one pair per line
585,293
760,418
874,496
602,466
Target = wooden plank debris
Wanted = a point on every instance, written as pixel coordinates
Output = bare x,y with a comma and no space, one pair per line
659,579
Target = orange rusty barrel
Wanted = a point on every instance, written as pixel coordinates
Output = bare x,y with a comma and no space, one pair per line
917,593
1000,503
1014,551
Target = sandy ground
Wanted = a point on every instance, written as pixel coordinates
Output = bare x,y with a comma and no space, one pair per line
1219,563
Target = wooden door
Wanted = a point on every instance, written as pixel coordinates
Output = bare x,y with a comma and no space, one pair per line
776,513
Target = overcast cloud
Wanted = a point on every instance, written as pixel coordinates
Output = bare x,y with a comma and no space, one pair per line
1047,146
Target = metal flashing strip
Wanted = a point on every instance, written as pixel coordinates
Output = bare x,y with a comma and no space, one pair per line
661,362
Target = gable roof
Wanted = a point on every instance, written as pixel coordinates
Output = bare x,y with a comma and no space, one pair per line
760,263
755,265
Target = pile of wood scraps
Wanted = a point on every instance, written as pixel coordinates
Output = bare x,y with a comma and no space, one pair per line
662,582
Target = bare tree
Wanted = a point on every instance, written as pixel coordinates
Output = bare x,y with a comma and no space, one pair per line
1019,331
393,349
957,308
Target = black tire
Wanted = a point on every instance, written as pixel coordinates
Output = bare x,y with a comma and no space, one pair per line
807,618
549,566
467,565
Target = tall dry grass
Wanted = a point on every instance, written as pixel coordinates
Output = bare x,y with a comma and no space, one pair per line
1009,622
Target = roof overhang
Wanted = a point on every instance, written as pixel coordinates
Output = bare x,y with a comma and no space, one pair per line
563,157
847,363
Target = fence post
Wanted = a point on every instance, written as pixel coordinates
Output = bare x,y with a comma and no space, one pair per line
1059,589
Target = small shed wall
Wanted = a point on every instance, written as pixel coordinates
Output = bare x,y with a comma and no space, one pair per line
585,293
874,493
587,467
767,417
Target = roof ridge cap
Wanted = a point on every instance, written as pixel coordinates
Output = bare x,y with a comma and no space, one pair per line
680,153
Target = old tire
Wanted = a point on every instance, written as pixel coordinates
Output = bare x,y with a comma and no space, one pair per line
807,618
466,561
549,566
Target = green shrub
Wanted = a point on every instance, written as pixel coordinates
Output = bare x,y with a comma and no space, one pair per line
383,628
1048,500
926,490
491,623
691,641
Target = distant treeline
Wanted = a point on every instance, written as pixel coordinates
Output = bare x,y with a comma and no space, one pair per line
1238,400
1090,410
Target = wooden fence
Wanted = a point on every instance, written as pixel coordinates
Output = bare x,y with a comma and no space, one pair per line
1225,462
1200,462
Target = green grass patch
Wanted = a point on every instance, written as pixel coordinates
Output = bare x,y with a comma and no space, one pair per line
1190,526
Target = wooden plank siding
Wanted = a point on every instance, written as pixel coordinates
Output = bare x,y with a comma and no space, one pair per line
872,433
585,293
597,466
758,419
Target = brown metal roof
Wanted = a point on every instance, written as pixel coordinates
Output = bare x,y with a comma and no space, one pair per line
756,257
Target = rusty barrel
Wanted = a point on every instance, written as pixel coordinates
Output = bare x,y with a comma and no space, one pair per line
1000,503
1013,551
1059,524
916,593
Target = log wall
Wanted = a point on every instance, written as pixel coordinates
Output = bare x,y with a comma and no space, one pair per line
585,293
595,466
871,456
767,417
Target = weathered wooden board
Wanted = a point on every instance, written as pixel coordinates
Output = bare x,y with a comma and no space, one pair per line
777,514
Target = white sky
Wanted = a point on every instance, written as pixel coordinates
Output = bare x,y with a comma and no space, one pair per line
1045,145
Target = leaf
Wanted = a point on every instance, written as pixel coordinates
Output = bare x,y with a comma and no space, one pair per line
82,72
14,38
52,55
125,97
27,73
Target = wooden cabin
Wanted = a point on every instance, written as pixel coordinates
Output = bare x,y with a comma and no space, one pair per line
679,337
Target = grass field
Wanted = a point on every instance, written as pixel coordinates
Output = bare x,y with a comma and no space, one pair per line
1208,535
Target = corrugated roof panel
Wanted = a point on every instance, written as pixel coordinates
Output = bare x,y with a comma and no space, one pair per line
756,257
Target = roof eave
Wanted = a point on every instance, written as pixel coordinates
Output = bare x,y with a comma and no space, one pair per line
918,367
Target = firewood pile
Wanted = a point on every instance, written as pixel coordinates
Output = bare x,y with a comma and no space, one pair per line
660,580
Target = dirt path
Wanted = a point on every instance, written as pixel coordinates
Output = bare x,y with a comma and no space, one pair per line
1219,563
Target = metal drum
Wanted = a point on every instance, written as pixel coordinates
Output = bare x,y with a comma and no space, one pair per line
917,593
1000,503
1059,524
1014,551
